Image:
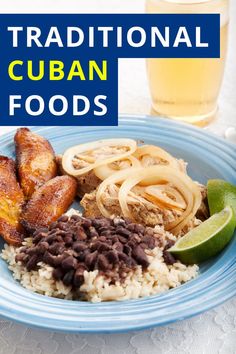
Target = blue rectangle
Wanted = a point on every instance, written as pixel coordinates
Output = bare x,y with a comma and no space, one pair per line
209,25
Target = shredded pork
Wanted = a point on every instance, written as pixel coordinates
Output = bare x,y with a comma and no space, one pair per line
143,211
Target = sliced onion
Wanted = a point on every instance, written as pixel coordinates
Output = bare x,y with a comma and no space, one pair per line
151,176
161,194
116,178
156,151
82,152
105,171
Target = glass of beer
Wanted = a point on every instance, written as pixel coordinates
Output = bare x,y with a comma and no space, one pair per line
188,89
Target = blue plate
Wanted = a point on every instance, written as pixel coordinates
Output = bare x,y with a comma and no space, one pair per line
208,157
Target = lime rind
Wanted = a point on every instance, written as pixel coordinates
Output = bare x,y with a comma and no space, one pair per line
220,193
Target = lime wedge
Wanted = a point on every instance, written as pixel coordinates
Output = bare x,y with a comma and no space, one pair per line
206,240
220,194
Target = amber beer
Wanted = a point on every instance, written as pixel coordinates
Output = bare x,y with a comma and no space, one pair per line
188,89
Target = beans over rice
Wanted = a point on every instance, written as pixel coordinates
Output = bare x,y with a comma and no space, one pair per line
97,260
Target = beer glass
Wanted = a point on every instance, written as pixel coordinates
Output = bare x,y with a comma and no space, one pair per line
188,89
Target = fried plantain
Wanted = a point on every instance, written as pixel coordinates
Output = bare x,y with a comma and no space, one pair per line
49,202
11,201
36,163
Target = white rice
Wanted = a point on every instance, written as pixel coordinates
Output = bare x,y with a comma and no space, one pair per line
157,278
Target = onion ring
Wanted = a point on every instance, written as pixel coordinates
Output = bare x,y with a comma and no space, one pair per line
84,152
162,195
116,178
105,171
156,151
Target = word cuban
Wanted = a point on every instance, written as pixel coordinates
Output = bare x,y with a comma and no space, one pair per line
135,37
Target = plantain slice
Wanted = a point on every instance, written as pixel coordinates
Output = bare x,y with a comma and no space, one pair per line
11,202
36,163
48,203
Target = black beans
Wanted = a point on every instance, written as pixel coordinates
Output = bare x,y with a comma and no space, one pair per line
79,276
68,241
112,256
49,239
52,226
123,257
20,257
90,259
68,277
86,223
103,263
61,225
42,230
69,263
140,256
127,250
169,244
43,246
122,239
76,217
106,233
49,259
79,246
136,238
74,244
102,239
26,258
123,231
32,262
149,241
101,222
80,234
39,236
56,248
149,231
139,229
100,246
169,258
58,273
63,218
92,232
118,246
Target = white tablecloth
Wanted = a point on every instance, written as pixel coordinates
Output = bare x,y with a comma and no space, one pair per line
212,332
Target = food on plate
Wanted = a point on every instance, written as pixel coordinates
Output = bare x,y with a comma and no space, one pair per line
11,201
206,240
97,260
145,224
35,159
220,194
48,203
156,195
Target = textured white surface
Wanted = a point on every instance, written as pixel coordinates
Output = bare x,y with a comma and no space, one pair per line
212,332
